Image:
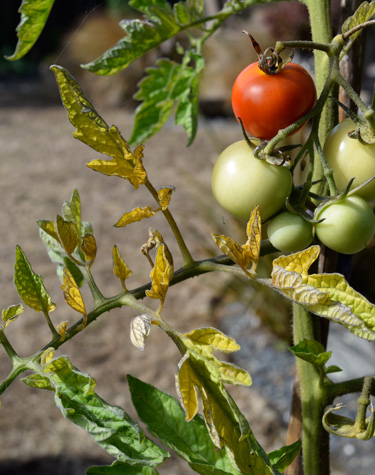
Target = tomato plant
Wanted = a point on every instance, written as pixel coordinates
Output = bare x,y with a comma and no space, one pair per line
349,158
240,182
266,103
289,232
348,226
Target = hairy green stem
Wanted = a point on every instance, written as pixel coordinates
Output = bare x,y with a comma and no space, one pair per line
51,325
363,403
315,440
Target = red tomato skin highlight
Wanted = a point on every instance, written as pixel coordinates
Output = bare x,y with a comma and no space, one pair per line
267,103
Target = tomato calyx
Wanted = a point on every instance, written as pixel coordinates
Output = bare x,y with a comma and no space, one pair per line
269,61
279,156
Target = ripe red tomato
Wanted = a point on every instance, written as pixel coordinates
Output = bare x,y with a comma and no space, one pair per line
267,103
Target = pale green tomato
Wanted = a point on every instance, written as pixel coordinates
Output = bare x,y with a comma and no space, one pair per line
348,226
240,182
289,232
349,158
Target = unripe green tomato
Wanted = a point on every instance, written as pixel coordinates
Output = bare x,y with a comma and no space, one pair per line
349,158
289,232
240,182
348,226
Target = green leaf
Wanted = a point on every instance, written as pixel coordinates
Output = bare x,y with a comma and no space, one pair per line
311,351
120,468
224,421
141,36
165,419
165,85
37,381
11,314
332,369
30,286
109,425
282,458
34,14
363,13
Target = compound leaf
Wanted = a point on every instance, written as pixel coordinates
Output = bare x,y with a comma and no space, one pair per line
30,286
34,14
165,419
92,130
141,36
109,425
165,85
363,13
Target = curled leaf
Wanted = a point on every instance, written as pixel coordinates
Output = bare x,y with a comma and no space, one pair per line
249,252
164,196
61,329
161,273
343,426
120,268
11,314
137,214
140,328
47,356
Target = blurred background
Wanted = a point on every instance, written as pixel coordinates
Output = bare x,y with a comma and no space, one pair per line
41,164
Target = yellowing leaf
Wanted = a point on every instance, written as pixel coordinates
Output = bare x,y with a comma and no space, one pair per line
164,196
161,274
214,338
249,252
120,268
299,262
186,385
61,329
11,314
89,247
95,132
137,214
30,286
254,234
140,327
47,356
49,228
67,234
232,374
326,295
139,168
72,293
233,250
